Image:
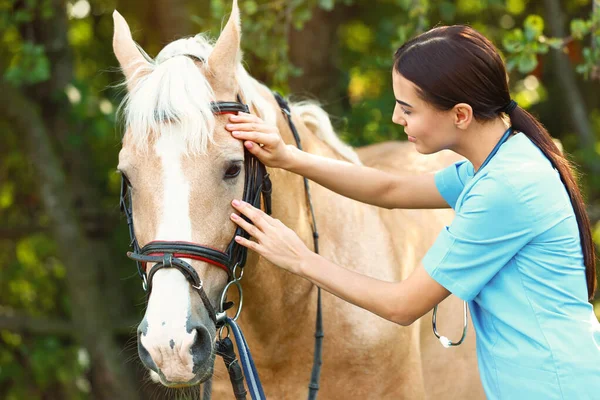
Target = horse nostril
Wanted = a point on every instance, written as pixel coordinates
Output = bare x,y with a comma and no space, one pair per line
145,355
201,348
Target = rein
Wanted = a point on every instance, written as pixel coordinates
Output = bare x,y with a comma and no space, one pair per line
315,375
168,254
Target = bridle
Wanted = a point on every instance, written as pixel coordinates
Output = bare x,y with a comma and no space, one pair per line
167,254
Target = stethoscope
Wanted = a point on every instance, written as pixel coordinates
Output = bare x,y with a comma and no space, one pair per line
443,339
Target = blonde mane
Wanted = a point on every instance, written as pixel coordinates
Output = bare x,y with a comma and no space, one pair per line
171,90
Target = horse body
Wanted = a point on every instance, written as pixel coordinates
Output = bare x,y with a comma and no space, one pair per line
364,355
179,157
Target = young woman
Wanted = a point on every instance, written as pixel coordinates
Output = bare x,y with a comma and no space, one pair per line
519,249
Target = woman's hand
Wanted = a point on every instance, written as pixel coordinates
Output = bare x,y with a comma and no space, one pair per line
261,139
274,241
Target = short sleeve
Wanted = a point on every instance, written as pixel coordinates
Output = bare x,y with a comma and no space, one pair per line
451,181
490,228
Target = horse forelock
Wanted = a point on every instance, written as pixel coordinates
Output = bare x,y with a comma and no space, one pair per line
172,90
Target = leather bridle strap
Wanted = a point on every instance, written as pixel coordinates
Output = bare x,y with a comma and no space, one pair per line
229,107
166,260
189,250
315,375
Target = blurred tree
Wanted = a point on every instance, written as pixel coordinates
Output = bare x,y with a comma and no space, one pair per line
42,112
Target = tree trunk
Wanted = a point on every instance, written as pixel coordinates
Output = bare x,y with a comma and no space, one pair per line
313,49
160,22
170,19
566,76
92,324
39,114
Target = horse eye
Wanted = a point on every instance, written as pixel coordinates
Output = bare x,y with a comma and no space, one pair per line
233,171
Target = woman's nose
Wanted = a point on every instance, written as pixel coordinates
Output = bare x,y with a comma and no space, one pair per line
397,119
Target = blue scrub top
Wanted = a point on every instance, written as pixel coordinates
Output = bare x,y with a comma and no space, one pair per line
513,252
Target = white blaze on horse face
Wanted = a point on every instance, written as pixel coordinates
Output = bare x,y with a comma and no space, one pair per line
167,338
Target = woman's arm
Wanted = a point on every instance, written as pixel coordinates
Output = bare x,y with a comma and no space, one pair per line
365,184
368,185
400,302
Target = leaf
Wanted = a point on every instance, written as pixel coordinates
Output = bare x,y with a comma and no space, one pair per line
579,28
514,41
515,7
538,47
405,4
22,16
327,4
29,66
527,63
555,43
534,26
300,17
250,7
511,63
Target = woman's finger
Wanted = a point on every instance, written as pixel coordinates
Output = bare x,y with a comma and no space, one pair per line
249,244
251,127
248,227
258,137
243,117
257,150
258,218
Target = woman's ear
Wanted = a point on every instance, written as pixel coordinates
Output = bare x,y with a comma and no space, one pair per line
462,115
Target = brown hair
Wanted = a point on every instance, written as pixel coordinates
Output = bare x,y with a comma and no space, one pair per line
457,64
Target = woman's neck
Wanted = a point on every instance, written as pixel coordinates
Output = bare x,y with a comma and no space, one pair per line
478,141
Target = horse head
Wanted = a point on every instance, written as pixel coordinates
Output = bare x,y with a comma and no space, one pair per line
181,170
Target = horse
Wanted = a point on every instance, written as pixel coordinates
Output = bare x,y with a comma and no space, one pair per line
184,169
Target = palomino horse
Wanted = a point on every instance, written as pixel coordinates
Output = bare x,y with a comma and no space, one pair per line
184,169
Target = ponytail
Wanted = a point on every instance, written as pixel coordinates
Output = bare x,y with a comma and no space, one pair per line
524,122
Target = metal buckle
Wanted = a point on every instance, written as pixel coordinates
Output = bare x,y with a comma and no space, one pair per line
237,267
144,283
221,331
224,296
199,287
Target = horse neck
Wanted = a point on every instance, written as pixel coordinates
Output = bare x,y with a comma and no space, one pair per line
270,292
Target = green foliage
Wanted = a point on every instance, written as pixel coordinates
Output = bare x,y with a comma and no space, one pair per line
34,367
525,45
29,65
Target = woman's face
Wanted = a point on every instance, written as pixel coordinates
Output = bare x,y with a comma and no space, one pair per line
429,129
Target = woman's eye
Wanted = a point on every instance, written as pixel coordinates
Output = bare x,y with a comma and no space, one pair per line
233,171
405,111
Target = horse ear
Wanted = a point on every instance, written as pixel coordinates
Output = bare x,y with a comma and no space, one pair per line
224,57
130,58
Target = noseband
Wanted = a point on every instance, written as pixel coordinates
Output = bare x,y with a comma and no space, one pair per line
167,254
